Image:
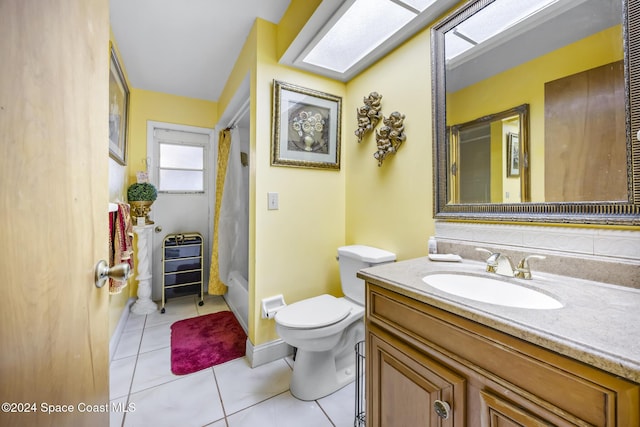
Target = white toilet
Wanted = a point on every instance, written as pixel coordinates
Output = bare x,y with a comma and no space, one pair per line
325,329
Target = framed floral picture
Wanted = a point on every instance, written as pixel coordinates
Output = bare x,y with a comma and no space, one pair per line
118,111
513,154
306,127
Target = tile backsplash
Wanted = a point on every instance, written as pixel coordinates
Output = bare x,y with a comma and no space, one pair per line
611,256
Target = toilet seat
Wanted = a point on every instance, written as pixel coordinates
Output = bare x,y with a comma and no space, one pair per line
315,312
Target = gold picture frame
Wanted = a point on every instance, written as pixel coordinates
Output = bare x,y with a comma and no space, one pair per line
118,110
306,127
513,154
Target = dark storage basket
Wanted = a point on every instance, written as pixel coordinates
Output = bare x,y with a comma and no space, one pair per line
182,266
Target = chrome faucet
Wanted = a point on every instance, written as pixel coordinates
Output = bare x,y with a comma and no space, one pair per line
499,263
503,265
523,271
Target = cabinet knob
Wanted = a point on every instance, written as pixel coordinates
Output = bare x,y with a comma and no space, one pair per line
443,410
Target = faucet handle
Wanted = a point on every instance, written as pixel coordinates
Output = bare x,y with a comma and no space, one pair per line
491,259
523,271
484,250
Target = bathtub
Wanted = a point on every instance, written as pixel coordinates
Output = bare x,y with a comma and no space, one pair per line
237,298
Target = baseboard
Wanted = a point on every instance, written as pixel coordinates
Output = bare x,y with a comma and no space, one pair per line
268,352
115,338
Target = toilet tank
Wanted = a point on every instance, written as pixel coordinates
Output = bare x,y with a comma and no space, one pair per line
356,257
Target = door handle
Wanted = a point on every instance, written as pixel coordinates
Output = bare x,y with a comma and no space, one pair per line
103,272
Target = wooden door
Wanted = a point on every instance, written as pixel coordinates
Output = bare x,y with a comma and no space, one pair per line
475,165
406,384
54,77
585,136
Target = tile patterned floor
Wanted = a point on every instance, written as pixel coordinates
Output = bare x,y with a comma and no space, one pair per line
228,395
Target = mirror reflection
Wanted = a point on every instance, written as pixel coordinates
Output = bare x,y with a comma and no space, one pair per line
564,59
487,156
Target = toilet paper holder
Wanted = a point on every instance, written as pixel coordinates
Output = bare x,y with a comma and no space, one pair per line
271,305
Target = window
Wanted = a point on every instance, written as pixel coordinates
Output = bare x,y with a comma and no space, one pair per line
181,158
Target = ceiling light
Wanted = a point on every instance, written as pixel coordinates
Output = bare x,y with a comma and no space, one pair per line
344,37
419,5
490,22
361,29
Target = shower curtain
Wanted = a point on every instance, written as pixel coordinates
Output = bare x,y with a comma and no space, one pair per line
231,218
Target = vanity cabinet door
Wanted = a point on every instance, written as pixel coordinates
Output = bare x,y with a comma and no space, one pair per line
496,411
408,386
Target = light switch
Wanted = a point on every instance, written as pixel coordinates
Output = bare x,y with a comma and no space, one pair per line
272,199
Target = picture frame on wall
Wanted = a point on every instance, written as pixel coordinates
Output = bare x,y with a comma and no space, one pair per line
306,127
513,154
118,111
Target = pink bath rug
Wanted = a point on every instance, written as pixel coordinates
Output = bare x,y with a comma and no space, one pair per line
204,341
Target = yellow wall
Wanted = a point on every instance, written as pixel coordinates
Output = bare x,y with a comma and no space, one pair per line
525,84
147,105
245,64
293,249
293,20
391,206
510,185
117,193
498,167
160,107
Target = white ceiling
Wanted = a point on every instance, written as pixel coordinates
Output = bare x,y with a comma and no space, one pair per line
189,47
185,47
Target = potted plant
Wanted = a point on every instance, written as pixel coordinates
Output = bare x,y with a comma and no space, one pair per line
141,196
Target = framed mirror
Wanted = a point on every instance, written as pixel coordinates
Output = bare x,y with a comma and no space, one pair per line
568,151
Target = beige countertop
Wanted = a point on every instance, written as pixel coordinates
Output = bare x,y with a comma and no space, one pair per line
599,323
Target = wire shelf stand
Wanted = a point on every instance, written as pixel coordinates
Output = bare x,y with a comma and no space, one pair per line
360,418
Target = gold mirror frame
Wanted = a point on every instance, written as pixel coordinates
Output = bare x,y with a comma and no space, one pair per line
600,212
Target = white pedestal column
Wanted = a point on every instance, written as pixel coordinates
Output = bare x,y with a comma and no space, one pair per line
144,304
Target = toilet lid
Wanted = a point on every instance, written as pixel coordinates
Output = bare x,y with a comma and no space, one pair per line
314,312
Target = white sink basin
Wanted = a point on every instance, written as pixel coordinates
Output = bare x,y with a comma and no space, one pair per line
492,291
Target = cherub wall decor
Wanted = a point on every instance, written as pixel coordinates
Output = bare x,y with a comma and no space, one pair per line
390,136
368,115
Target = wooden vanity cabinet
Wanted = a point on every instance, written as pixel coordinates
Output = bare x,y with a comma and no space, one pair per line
410,384
419,356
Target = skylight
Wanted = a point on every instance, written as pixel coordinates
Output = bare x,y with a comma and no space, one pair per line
419,5
489,22
360,30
